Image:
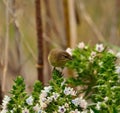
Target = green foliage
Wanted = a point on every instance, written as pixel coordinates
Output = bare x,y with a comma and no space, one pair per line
58,84
96,71
20,101
18,95
57,97
37,90
57,80
97,79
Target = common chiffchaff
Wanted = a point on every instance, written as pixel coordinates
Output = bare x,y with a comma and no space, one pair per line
58,57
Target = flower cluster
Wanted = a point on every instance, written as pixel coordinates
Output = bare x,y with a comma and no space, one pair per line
95,88
69,91
4,104
58,97
98,76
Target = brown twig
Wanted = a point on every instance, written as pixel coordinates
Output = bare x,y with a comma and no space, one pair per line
67,21
40,39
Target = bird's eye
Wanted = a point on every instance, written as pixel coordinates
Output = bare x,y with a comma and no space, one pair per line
65,56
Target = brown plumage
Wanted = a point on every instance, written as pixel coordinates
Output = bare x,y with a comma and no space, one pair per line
58,57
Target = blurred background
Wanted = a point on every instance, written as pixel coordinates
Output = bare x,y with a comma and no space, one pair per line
65,23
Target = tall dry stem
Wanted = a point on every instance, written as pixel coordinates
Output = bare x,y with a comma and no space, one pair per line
39,31
6,48
88,20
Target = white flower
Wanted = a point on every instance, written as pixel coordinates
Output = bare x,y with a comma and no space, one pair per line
83,104
11,111
81,45
55,95
61,109
29,100
80,102
99,47
36,107
43,105
69,50
106,99
43,94
14,109
43,102
93,54
41,111
76,101
91,59
118,55
43,99
25,110
100,64
4,111
47,88
5,101
73,93
66,105
117,69
49,99
69,91
111,51
98,105
91,111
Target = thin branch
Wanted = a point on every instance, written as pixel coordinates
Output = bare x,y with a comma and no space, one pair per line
67,21
89,21
10,10
39,39
6,48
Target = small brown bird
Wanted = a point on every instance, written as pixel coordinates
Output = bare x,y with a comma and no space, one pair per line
58,57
